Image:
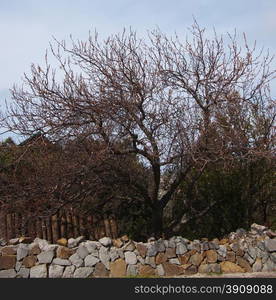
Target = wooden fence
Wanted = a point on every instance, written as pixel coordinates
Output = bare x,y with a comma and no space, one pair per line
67,223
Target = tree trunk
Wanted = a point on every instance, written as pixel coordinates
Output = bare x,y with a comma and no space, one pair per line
157,221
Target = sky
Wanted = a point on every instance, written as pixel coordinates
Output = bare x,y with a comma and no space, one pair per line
27,27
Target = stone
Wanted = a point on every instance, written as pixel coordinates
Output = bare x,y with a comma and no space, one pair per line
69,272
61,262
184,258
150,260
22,251
172,269
104,256
211,256
45,257
142,249
8,273
230,256
160,258
93,247
230,267
204,268
205,246
72,243
83,272
125,238
223,241
82,251
170,252
160,246
100,270
7,262
90,261
240,252
8,250
252,252
118,268
25,240
50,247
18,265
171,243
41,243
196,259
222,251
146,271
39,271
152,249
34,249
257,266
249,259
160,270
106,241
244,264
221,258
55,271
189,269
14,241
213,245
76,260
273,257
29,261
130,258
62,242
174,261
64,252
132,270
270,245
151,239
117,243
23,273
129,246
181,248
269,266
113,254
258,229
235,247
215,268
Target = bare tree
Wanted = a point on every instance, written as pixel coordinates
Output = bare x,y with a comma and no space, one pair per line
174,100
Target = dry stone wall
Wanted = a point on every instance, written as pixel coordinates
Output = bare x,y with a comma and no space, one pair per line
240,251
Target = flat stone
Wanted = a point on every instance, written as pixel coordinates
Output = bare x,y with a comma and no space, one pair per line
160,246
204,268
240,252
23,273
55,271
230,256
18,265
69,272
273,257
104,256
189,269
142,249
181,248
129,246
184,258
172,269
82,252
100,270
50,247
257,266
22,251
7,262
14,241
92,247
244,264
90,261
170,252
270,245
61,262
223,241
160,258
25,240
117,243
150,260
174,261
196,259
222,251
64,252
76,260
215,268
46,257
130,258
62,242
205,246
118,268
8,250
113,253
259,229
230,267
269,266
171,243
249,259
41,243
72,243
29,261
34,249
132,270
125,238
211,256
106,241
39,271
8,273
146,271
83,272
252,252
152,249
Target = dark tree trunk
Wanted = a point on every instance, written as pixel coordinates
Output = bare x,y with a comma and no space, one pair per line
157,221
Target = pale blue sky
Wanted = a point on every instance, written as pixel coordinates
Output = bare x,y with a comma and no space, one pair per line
27,26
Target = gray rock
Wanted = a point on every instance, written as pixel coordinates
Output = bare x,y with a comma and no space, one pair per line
205,246
76,260
160,246
222,250
213,246
205,268
61,262
130,258
69,272
50,247
273,257
258,229
41,243
150,260
121,253
151,239
45,257
171,243
240,232
129,246
39,271
90,260
10,273
14,241
174,261
215,268
249,259
18,265
235,247
23,273
152,249
106,241
181,248
92,247
257,266
166,243
141,259
22,251
104,257
252,252
261,246
113,254
55,271
83,272
132,270
72,243
269,266
160,270
82,252
270,245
